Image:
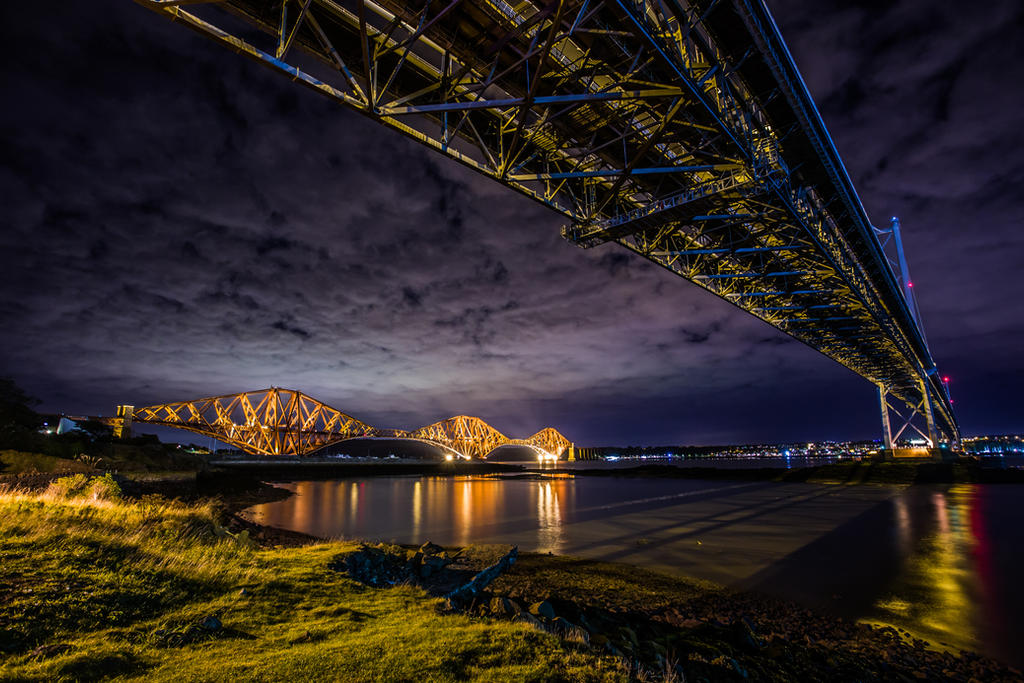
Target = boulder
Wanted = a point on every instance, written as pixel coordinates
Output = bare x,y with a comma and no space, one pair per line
429,548
528,618
542,609
210,623
502,607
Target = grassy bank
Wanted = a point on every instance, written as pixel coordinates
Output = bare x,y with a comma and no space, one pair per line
91,589
96,586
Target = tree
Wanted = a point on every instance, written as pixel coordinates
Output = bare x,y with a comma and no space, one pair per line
16,414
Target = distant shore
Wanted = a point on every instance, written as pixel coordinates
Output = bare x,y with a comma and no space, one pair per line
965,471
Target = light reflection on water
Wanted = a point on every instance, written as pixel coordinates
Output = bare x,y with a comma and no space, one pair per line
934,591
938,561
945,590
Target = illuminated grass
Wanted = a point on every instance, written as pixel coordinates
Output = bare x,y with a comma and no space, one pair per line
89,589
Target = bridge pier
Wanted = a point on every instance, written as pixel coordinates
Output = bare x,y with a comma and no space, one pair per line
886,425
929,414
123,422
923,411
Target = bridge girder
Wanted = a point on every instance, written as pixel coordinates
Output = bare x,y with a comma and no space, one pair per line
680,130
275,421
267,422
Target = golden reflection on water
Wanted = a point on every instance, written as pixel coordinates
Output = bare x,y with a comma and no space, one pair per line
417,508
447,510
549,516
936,595
353,500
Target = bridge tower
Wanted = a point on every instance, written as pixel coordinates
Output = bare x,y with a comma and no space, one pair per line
123,422
891,241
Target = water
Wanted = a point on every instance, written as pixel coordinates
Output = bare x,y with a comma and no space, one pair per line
718,462
939,561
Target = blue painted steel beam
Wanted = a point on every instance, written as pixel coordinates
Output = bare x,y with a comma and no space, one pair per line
612,172
519,101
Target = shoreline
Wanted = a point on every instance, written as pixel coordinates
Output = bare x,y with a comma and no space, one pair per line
727,598
644,620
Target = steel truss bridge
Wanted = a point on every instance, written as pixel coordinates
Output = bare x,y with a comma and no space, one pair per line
277,421
678,129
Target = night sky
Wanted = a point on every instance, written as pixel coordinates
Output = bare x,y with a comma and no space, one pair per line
179,222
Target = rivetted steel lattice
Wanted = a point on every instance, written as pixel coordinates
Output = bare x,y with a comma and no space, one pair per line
679,130
286,422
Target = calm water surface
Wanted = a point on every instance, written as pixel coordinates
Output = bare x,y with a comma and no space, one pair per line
940,561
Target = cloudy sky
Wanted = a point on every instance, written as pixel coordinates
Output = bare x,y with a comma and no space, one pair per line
180,223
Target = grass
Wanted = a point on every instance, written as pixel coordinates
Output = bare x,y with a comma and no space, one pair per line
90,589
16,462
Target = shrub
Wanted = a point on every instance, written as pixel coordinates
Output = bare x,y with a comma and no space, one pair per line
104,488
68,487
80,485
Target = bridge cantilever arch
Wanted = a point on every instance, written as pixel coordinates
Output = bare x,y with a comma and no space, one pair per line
278,421
679,130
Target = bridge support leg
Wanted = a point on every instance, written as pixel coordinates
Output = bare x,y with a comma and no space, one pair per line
929,415
123,425
886,425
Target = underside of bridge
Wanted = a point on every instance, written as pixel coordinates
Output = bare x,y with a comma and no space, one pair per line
277,421
679,130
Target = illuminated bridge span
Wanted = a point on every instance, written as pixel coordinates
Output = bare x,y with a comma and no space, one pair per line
287,422
678,129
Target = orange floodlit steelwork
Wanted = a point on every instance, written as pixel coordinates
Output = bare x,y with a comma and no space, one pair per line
287,422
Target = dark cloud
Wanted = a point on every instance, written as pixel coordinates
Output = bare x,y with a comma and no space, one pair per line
181,223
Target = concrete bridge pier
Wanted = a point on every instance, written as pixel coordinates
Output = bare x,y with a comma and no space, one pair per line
123,422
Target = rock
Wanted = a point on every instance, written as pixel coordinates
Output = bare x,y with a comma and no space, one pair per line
542,609
561,626
436,562
528,618
584,623
570,631
744,635
429,548
211,623
502,607
478,583
739,669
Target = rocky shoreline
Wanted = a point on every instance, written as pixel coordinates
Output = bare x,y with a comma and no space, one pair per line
713,635
673,633
659,627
